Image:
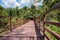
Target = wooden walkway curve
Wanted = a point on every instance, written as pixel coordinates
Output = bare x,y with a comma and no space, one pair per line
27,31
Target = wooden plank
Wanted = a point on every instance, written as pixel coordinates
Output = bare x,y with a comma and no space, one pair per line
5,16
19,36
24,32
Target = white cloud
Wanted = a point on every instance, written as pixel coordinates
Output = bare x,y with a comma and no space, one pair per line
10,3
6,4
20,3
39,3
26,2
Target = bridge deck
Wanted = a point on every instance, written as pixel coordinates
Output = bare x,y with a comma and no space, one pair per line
24,32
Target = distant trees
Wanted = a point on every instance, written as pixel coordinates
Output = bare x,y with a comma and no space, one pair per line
26,12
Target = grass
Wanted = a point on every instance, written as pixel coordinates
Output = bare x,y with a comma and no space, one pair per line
50,36
53,28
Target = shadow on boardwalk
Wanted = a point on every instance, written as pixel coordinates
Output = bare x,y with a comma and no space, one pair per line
38,33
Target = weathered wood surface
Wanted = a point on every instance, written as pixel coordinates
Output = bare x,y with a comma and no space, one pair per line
24,32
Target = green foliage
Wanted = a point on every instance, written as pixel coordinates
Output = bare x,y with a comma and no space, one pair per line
54,28
50,36
32,12
50,3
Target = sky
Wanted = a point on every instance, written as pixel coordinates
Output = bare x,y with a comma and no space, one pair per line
19,3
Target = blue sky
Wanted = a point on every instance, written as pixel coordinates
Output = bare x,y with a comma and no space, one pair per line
19,3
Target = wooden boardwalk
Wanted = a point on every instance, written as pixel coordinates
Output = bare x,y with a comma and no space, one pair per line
27,31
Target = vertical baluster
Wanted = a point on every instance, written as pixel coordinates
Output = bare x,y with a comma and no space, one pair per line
10,23
44,24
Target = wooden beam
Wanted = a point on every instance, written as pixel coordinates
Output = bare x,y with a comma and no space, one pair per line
53,33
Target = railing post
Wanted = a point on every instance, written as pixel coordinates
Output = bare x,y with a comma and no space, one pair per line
44,24
16,22
10,23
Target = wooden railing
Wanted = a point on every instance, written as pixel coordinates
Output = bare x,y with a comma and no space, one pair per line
10,23
16,24
57,36
10,20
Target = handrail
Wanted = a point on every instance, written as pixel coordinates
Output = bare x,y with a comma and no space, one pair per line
3,31
49,22
52,8
53,33
5,16
10,23
10,17
54,23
